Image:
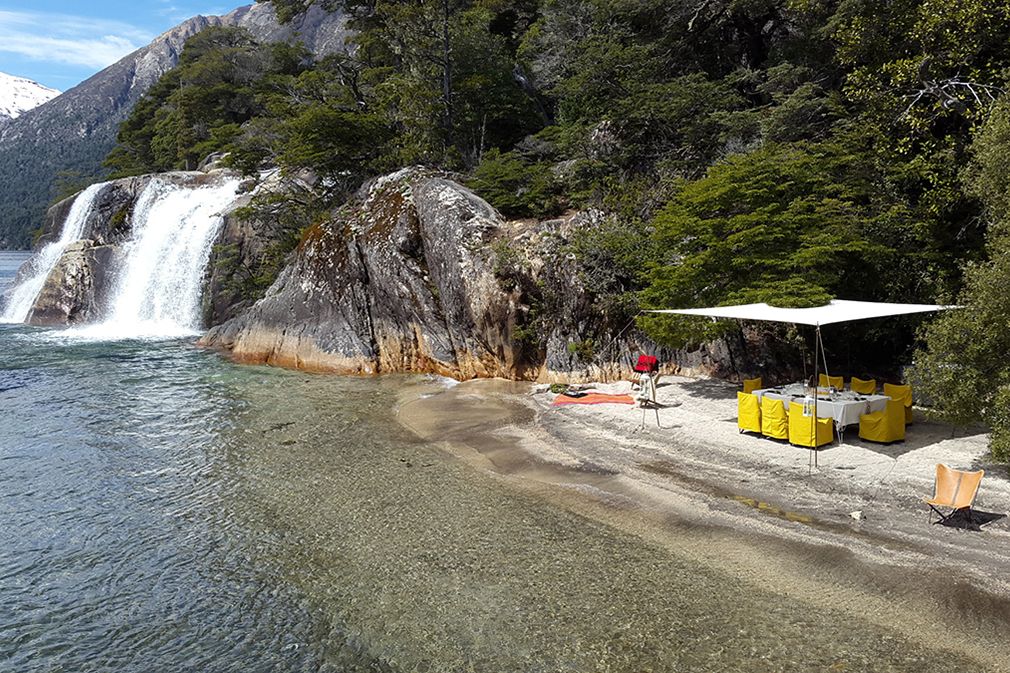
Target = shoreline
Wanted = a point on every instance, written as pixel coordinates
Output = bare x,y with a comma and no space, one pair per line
746,506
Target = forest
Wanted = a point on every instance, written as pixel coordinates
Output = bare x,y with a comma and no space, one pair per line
787,151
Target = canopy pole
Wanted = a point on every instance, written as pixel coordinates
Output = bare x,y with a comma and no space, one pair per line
813,423
824,356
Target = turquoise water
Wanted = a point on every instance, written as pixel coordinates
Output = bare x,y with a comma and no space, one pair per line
165,510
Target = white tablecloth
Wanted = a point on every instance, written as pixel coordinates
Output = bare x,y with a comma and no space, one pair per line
844,411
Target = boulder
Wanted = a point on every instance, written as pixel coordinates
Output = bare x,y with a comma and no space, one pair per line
76,288
399,279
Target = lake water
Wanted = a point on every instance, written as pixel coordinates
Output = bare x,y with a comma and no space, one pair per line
165,510
10,261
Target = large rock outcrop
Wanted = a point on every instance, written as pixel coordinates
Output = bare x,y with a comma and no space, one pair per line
78,287
400,279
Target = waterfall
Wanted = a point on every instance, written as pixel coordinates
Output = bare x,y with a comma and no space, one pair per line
22,297
159,287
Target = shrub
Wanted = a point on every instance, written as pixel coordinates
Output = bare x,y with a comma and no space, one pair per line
517,188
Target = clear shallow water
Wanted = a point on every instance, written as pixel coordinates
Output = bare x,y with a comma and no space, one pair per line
10,261
165,510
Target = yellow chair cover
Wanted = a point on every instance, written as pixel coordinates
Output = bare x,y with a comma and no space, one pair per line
884,426
750,385
836,382
863,386
748,413
774,422
801,428
904,395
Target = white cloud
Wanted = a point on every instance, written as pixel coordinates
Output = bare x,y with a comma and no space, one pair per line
178,14
68,39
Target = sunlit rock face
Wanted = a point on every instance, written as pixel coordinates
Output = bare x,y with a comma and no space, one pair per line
77,286
400,279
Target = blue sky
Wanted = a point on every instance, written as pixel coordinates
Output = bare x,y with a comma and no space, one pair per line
63,42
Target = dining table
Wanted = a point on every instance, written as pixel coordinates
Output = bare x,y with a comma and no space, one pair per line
844,406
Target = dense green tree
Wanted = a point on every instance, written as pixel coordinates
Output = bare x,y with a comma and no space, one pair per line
788,225
517,187
198,107
963,369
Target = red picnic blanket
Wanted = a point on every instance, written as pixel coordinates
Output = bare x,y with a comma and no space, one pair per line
593,398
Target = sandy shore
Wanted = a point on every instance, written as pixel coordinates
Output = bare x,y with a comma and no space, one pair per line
753,507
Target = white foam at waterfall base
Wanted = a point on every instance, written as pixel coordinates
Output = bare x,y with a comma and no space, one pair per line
22,296
158,290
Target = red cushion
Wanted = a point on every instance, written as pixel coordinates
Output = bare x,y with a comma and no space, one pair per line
647,363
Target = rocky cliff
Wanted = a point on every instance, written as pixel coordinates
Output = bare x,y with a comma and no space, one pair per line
74,132
400,279
417,273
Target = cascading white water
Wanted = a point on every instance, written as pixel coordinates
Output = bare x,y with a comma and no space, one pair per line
22,297
158,290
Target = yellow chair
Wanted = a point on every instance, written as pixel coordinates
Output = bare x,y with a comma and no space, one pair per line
774,422
956,489
836,382
863,386
801,428
904,395
884,426
748,413
750,385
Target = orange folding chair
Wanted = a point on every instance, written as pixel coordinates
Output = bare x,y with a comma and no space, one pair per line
955,489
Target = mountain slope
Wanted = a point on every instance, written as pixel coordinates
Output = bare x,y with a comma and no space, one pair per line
19,95
72,133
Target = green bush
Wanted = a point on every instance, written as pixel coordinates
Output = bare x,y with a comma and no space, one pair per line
517,188
584,350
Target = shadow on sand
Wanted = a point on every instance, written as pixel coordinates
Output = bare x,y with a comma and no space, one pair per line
970,520
917,436
710,389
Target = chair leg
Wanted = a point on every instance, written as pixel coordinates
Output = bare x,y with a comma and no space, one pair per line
942,516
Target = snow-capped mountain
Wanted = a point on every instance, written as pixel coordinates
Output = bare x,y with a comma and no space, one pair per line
18,95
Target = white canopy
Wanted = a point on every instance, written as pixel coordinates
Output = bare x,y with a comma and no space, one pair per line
837,310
